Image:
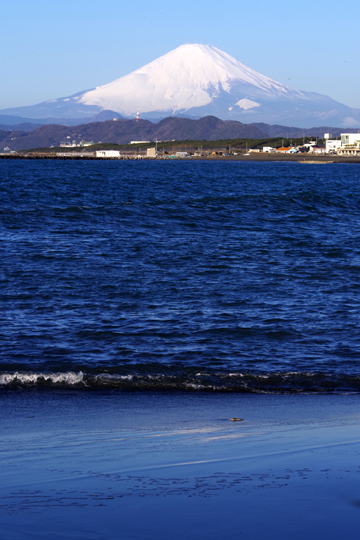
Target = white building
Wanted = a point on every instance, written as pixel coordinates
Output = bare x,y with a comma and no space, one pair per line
68,144
268,149
107,153
350,144
349,138
349,150
309,145
151,152
318,149
332,145
86,143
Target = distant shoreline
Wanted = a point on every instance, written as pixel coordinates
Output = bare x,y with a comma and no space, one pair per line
278,158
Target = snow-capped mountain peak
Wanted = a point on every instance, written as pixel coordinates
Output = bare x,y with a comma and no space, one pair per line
187,77
199,80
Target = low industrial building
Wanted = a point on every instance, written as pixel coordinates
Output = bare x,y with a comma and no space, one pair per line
286,150
107,153
75,154
68,144
318,149
86,143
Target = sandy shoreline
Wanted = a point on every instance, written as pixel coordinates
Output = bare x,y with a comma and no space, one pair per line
145,465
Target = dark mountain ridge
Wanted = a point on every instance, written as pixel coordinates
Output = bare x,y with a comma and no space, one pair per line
123,131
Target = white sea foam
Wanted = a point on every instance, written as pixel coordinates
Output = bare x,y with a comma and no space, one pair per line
113,377
23,378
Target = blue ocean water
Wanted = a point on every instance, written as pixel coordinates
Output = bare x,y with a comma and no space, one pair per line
189,275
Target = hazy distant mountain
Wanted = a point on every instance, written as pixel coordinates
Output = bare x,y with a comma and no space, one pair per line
12,121
105,115
26,126
197,81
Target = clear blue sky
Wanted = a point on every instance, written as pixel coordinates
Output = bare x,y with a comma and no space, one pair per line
54,49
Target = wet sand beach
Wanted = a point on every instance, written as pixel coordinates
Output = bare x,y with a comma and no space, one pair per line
113,465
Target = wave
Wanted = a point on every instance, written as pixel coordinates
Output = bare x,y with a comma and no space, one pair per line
265,383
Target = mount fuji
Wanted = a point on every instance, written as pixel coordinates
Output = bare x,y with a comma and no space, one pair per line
197,81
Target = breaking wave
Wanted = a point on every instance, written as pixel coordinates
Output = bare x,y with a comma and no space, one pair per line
267,383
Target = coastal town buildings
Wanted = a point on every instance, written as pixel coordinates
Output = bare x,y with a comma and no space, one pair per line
348,144
74,144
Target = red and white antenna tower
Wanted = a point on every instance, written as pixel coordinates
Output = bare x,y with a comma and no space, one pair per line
138,115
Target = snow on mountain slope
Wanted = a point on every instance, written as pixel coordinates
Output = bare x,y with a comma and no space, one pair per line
198,81
189,76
